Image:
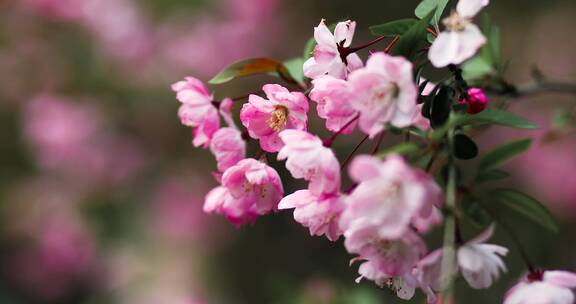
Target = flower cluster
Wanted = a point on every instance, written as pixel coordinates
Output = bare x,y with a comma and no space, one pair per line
390,202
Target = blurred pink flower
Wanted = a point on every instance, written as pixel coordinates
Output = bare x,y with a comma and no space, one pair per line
265,118
551,287
249,189
68,137
390,198
462,38
177,210
228,147
327,58
307,158
58,9
334,97
319,213
384,92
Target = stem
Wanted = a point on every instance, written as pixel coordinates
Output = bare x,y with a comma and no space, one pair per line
345,162
389,47
449,256
356,49
431,31
328,142
377,146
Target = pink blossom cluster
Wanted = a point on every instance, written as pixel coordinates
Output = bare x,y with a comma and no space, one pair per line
389,205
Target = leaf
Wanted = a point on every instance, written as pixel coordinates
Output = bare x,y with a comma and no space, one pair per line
294,67
309,48
477,215
440,107
503,153
464,147
250,67
402,149
409,43
476,68
393,28
526,205
497,117
427,6
492,175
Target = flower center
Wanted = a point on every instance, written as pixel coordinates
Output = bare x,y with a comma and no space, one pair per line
455,22
278,118
386,93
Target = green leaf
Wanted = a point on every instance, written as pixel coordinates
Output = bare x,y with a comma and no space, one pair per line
477,215
402,148
503,153
476,68
497,117
393,28
294,67
492,175
309,48
412,39
427,6
464,147
526,205
250,67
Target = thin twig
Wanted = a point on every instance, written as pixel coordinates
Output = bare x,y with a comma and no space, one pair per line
345,162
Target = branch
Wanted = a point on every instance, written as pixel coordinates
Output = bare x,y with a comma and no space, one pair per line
539,86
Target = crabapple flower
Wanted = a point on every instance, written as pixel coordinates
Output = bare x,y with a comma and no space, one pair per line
319,213
228,147
384,92
328,57
197,110
480,263
462,38
249,189
550,287
307,158
388,257
264,119
389,199
333,96
478,101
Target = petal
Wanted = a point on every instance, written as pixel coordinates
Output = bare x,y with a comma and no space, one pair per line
444,50
561,278
296,199
469,8
323,36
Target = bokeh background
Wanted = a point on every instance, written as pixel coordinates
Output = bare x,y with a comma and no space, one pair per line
101,191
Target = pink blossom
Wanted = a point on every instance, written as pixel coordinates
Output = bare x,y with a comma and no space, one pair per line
249,189
327,58
265,118
480,263
197,110
388,257
334,98
478,100
389,199
551,287
307,158
228,147
319,213
462,38
384,92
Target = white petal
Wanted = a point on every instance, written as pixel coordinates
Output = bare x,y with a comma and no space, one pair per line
444,50
469,8
323,36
